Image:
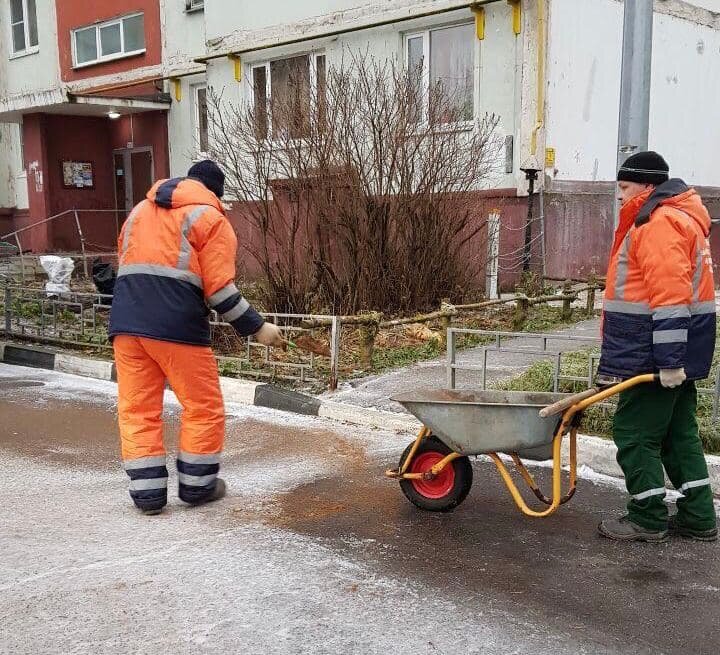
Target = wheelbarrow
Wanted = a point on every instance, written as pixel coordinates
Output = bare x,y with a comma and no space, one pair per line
435,473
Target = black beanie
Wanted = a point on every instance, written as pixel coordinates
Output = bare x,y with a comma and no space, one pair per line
644,168
209,173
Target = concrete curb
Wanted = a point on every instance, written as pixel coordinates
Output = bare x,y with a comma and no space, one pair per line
594,452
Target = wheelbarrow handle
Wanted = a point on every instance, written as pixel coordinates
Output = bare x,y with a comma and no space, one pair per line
592,396
561,405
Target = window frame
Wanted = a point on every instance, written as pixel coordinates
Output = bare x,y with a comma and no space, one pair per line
29,49
313,56
425,35
199,152
191,6
101,59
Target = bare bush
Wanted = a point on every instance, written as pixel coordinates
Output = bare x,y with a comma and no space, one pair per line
359,188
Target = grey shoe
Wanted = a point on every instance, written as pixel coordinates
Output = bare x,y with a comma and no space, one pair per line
623,529
151,512
217,494
677,529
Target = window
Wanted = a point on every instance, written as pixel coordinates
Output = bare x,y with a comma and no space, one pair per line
201,118
441,64
194,5
123,37
23,26
289,95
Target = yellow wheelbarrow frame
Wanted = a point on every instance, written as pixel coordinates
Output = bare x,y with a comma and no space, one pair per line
571,408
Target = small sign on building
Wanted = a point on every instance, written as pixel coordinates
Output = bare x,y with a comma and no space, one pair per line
78,175
549,157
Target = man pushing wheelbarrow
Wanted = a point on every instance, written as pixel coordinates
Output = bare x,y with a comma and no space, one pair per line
658,339
659,315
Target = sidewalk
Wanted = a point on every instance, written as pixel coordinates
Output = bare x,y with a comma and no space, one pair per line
375,391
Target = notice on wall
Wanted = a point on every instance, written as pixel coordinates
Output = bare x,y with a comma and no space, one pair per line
77,175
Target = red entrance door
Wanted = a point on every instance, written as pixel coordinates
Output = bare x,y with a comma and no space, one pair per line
134,175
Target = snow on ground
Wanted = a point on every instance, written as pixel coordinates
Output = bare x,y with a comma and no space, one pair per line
82,572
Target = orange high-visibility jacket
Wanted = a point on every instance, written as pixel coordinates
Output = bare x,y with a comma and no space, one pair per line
659,310
177,255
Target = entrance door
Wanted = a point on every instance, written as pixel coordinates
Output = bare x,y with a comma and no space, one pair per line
133,177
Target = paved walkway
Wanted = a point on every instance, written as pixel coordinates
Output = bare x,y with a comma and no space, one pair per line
376,391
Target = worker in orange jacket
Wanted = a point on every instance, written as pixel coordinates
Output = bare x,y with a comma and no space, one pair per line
177,254
659,317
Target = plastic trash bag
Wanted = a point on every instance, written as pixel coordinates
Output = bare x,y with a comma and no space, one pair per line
59,270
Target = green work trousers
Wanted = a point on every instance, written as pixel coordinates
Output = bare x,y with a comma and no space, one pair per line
654,428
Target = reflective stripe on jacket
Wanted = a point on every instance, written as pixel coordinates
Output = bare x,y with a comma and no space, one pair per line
659,310
177,255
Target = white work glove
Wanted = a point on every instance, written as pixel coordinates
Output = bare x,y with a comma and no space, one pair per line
270,335
672,377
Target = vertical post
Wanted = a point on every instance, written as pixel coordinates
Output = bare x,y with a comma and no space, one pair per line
334,352
590,306
566,313
82,243
484,369
527,248
543,243
22,258
634,119
8,310
450,353
493,253
556,381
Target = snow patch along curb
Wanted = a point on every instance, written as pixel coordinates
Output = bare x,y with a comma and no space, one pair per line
594,452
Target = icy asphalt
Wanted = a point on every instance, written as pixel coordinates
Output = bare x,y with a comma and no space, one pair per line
312,552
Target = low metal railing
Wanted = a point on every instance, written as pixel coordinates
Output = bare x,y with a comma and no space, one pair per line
81,319
541,351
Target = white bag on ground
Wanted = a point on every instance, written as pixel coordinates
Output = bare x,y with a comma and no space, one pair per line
59,270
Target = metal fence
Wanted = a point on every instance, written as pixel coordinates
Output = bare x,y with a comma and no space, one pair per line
541,350
76,230
81,319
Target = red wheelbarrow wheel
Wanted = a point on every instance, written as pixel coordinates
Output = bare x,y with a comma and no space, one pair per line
448,489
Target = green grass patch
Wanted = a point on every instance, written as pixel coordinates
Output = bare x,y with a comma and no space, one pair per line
598,420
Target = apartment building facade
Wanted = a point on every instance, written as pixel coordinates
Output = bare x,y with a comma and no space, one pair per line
98,100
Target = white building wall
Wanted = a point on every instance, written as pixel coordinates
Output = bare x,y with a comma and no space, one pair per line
183,40
497,56
39,71
584,62
21,74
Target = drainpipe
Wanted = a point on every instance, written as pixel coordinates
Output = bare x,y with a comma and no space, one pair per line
540,109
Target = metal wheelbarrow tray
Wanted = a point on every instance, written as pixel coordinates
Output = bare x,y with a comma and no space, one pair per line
435,472
475,423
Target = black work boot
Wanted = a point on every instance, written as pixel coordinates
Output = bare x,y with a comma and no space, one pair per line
152,512
623,529
678,529
217,494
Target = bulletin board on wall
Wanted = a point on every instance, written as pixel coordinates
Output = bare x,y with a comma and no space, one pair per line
77,175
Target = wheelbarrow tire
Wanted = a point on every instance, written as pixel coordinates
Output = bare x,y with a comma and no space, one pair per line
448,489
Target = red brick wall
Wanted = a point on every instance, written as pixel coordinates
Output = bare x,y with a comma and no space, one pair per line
513,211
72,14
51,139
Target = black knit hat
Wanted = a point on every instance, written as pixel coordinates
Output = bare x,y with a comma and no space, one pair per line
644,168
209,173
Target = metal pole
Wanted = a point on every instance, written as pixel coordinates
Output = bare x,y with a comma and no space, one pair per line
528,224
334,352
82,244
8,310
634,118
22,259
450,365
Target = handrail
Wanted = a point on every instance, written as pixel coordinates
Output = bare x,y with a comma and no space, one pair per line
3,237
